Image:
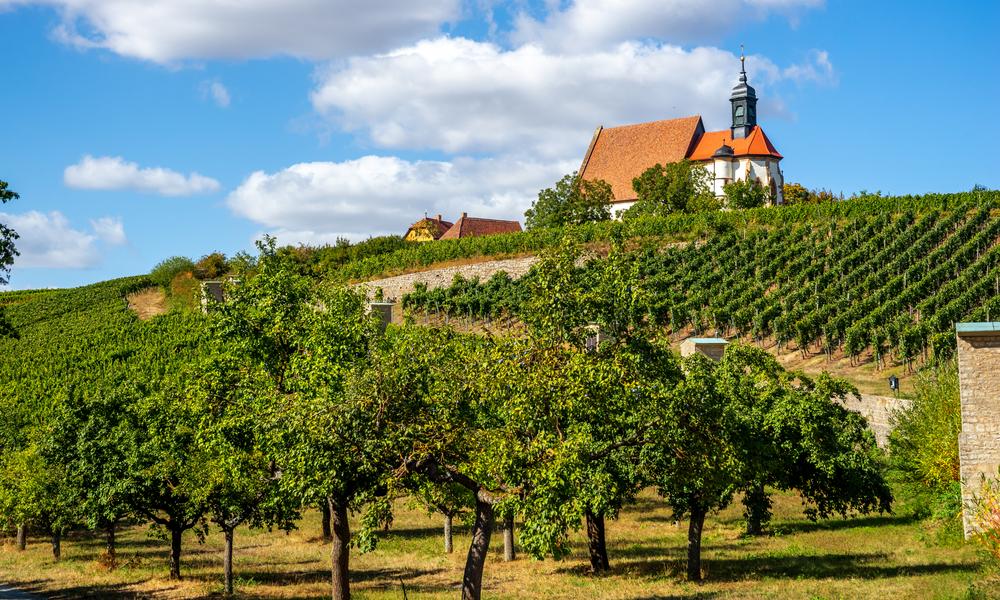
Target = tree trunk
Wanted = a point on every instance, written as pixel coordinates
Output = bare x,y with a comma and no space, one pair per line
596,542
340,551
109,549
227,560
757,509
448,546
472,580
22,536
57,544
694,543
175,553
325,510
508,539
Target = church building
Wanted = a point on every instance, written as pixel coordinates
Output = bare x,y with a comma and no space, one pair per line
618,155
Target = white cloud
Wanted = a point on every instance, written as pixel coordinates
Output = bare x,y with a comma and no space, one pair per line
114,173
167,31
372,195
217,92
48,240
584,25
463,96
110,230
816,69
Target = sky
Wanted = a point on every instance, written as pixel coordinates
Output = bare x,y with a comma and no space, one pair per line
135,130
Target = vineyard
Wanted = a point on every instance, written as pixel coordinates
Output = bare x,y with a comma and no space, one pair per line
894,283
291,395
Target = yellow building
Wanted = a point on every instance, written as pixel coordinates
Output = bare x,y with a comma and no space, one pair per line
427,230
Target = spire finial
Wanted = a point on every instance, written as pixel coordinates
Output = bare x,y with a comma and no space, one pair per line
743,60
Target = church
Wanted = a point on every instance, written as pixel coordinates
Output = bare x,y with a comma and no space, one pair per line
618,155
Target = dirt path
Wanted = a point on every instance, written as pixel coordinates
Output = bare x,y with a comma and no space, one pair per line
148,303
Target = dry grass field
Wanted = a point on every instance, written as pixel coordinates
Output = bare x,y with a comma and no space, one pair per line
868,557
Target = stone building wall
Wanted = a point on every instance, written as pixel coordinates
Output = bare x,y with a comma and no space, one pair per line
979,381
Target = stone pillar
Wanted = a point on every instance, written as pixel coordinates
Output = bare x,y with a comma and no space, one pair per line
713,348
979,380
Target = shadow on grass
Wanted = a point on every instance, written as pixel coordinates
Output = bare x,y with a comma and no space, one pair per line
832,566
805,526
111,591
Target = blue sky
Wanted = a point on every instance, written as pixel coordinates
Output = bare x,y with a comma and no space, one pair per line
136,130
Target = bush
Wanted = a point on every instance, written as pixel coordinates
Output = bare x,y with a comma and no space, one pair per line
923,447
986,516
165,272
211,266
748,193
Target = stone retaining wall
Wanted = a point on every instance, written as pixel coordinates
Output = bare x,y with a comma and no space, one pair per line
878,411
394,288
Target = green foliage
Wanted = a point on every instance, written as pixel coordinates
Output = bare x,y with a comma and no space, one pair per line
319,261
746,193
796,193
986,516
211,266
679,187
573,201
841,276
662,229
924,445
165,272
7,253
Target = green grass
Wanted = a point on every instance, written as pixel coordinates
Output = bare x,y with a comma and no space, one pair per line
887,556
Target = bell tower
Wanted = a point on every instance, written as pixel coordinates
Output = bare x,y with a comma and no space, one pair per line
744,103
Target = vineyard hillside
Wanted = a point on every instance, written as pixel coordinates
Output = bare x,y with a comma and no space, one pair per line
857,289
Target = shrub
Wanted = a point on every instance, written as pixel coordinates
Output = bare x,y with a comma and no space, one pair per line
924,446
165,272
571,202
748,193
211,266
986,516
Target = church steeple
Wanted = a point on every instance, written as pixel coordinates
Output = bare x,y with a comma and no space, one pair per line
744,102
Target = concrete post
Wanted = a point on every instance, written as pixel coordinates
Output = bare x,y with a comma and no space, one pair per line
979,381
384,312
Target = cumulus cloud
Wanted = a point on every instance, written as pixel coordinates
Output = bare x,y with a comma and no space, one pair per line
48,240
464,96
586,24
110,230
115,173
217,92
319,201
166,31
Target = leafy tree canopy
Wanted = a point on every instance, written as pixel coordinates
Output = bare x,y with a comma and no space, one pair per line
679,187
746,193
571,202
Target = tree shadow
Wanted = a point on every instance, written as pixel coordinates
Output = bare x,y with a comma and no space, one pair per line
114,591
385,578
830,566
806,526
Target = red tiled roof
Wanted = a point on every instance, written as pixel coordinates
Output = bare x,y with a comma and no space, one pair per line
618,155
468,226
755,144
